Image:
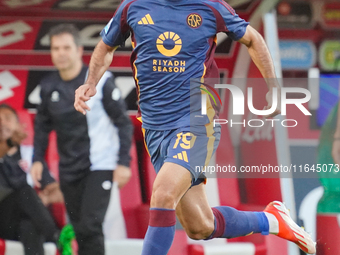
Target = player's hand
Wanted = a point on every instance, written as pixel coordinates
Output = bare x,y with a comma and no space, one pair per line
269,98
83,94
336,151
122,175
51,194
36,173
44,198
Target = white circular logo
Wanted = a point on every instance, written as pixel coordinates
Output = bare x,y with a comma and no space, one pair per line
107,185
115,94
55,96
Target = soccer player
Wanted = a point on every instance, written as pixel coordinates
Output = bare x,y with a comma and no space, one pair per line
90,147
174,41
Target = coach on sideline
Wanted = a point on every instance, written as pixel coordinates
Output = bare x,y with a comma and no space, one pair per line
90,146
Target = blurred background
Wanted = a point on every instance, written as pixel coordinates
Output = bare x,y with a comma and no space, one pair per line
304,40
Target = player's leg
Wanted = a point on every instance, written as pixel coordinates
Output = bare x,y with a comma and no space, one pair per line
199,220
200,144
9,216
33,209
194,213
172,182
170,185
72,192
202,222
95,200
31,238
25,218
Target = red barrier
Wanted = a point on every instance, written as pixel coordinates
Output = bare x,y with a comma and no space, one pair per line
2,246
328,234
130,197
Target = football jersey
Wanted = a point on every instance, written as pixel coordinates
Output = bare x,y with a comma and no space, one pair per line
173,42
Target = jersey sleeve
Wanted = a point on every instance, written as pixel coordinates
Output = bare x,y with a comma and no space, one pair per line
115,107
117,30
228,21
46,177
42,128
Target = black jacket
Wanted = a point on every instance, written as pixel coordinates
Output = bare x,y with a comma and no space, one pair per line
13,177
99,140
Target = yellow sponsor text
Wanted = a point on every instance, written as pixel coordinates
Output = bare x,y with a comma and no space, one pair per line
168,66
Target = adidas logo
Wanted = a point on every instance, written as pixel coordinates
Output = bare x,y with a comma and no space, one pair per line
182,156
146,20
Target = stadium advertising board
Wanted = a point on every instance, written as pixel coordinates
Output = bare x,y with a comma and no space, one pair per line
331,15
297,15
299,55
92,5
74,5
329,56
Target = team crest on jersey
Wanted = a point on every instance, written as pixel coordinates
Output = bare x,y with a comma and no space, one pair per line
24,165
194,20
55,96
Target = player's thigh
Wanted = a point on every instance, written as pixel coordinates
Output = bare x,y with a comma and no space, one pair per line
96,198
10,216
171,183
73,193
193,147
33,209
195,214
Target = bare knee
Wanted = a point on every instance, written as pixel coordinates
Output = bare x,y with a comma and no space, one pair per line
200,231
163,198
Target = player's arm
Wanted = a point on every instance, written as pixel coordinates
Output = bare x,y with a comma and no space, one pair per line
42,128
115,107
50,192
113,35
239,30
100,61
259,53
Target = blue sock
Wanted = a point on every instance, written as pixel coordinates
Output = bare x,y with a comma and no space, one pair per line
161,232
230,223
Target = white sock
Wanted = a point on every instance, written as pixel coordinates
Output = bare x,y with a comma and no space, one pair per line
273,223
